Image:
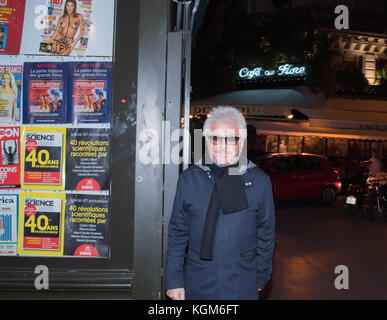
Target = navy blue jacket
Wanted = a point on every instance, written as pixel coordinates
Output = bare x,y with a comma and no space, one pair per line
244,241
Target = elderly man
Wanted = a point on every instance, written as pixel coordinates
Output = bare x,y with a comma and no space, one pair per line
221,231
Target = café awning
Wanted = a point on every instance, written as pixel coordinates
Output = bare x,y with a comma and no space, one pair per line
303,128
356,118
261,102
297,96
349,113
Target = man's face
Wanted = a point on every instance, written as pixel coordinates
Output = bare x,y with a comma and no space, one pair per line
223,143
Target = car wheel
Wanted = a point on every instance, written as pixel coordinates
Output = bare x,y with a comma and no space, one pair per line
328,195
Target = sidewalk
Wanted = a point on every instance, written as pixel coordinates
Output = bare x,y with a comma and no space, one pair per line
311,240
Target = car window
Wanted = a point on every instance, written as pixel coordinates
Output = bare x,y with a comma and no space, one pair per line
317,163
284,165
308,163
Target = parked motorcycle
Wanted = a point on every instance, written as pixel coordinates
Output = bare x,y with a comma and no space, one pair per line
354,199
378,194
356,191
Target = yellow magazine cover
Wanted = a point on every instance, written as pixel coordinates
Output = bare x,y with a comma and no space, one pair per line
43,155
41,223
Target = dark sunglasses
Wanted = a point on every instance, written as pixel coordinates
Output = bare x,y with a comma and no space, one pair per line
232,141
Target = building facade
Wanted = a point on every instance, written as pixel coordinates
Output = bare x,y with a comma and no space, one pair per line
287,114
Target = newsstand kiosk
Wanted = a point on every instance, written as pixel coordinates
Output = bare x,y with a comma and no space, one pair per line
90,90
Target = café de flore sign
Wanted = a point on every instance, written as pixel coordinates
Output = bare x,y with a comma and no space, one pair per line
285,70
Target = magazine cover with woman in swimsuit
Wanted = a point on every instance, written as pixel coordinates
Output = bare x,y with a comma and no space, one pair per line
65,27
10,93
69,28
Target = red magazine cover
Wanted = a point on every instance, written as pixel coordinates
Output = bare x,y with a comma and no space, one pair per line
11,25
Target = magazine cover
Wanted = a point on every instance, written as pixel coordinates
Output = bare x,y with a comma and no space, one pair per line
41,221
87,159
69,27
87,226
10,93
10,157
89,92
11,25
43,150
44,93
8,224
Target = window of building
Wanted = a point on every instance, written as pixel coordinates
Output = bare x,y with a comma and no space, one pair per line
314,145
291,144
337,147
358,149
271,143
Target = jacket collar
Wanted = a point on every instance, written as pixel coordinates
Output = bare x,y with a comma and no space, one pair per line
247,164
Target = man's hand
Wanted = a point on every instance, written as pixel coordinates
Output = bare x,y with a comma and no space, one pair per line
176,294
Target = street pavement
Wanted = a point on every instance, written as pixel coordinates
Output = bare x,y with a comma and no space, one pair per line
312,239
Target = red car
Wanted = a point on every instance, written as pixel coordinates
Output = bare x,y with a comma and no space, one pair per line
301,176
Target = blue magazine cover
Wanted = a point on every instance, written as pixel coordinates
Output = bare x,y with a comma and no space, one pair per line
8,224
89,92
44,92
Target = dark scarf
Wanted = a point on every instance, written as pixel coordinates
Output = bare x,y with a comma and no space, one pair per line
229,195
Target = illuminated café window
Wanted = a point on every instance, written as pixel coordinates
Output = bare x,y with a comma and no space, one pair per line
271,144
260,144
384,143
290,144
294,144
283,144
314,145
354,168
337,147
337,154
376,145
340,164
358,149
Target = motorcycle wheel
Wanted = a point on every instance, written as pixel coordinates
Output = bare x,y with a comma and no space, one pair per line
350,210
373,207
380,206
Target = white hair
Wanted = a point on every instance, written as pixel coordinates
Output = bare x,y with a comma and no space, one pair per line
225,114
